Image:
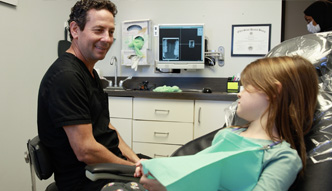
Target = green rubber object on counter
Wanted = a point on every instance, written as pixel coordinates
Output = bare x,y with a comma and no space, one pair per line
167,89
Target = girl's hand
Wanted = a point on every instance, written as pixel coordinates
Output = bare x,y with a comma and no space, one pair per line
151,184
139,168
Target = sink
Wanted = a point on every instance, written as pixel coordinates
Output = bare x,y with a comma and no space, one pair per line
114,89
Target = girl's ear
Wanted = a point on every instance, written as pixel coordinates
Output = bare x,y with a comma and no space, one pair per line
279,86
74,29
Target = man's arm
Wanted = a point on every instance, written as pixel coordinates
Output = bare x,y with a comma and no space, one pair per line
87,149
125,149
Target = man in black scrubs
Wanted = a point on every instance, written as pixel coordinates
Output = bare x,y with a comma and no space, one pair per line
73,115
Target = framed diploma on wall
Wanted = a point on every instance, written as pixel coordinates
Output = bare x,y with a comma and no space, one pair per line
251,40
10,2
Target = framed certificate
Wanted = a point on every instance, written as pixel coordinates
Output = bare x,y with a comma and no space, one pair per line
251,40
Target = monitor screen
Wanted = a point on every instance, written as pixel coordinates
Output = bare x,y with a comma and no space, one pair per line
181,46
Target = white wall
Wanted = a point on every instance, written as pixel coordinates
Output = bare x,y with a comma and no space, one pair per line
218,17
28,45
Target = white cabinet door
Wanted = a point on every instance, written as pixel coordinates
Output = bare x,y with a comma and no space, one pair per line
121,112
124,128
120,107
209,116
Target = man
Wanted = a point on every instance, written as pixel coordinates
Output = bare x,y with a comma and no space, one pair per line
73,116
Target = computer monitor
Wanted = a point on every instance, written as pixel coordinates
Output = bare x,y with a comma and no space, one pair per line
180,46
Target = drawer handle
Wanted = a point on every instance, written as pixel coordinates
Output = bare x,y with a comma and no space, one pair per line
161,133
162,111
157,156
199,115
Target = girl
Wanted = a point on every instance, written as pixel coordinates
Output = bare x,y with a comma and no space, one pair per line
278,100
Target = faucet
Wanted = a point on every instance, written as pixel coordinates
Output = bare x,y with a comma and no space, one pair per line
122,81
114,61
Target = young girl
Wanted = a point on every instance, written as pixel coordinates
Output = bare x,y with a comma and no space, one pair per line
278,100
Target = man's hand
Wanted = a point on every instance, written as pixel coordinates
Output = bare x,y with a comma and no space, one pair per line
139,169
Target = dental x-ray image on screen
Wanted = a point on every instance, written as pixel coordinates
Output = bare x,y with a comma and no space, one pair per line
181,46
171,49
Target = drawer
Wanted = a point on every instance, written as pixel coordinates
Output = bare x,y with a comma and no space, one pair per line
162,132
120,107
155,150
163,109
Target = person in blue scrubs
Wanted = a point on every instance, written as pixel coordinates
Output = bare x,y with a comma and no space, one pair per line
278,100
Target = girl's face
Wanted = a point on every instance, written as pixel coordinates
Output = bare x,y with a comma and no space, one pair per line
252,103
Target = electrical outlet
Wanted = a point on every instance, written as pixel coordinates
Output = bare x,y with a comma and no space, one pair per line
155,30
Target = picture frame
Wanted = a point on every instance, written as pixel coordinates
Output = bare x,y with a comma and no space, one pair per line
251,40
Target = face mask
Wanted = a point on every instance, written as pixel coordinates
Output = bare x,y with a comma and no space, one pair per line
313,29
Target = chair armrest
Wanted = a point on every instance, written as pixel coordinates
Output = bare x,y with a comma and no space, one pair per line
110,171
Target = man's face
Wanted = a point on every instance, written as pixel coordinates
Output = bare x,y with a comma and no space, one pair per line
97,37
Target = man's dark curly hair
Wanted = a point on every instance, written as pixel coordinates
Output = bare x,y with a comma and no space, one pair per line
80,9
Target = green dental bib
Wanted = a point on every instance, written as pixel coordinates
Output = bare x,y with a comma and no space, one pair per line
232,162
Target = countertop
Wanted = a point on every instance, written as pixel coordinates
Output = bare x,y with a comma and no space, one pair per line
219,96
217,85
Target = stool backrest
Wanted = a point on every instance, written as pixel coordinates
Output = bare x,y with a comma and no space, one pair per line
40,158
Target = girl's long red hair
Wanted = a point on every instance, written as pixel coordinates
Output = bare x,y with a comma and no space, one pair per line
292,105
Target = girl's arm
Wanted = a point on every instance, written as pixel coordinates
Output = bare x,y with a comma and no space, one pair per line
279,170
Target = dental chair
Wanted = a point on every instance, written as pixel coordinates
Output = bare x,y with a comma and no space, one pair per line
318,49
